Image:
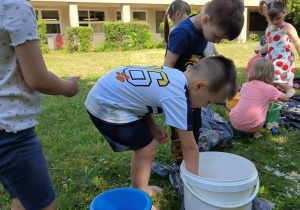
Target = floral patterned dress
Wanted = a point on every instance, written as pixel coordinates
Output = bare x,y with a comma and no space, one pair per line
281,54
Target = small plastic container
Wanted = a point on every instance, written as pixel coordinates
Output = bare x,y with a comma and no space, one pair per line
232,103
124,198
273,113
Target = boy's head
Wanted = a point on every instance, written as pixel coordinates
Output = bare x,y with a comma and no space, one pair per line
263,70
211,80
223,19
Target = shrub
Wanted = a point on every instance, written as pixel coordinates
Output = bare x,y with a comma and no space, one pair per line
126,36
42,30
80,39
98,48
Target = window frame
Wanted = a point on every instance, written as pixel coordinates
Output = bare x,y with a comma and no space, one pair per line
89,22
50,21
146,12
117,16
163,12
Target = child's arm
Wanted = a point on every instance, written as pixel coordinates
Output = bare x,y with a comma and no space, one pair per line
283,97
216,51
36,75
157,131
171,59
264,49
190,151
292,33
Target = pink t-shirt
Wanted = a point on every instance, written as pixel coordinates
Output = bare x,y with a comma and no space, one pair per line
250,112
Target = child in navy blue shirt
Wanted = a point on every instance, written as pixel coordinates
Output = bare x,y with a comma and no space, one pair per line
219,19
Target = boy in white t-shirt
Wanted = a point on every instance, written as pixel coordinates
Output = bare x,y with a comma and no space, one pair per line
121,104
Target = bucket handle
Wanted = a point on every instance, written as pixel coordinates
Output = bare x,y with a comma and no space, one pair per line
224,105
224,207
271,107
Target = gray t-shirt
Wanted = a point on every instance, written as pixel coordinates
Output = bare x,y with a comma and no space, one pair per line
19,104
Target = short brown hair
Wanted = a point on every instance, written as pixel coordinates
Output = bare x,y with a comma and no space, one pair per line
219,71
227,15
263,70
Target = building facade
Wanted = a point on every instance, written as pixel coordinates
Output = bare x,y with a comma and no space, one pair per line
60,14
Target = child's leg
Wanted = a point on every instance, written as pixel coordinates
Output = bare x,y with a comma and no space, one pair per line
176,149
289,91
141,163
16,205
22,166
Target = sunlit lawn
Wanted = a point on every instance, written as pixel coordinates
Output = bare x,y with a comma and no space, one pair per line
82,164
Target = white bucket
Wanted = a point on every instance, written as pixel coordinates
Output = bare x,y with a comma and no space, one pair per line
225,181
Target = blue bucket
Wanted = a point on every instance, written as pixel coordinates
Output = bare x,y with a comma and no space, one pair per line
124,198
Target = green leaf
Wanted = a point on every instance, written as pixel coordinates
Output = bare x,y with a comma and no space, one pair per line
262,189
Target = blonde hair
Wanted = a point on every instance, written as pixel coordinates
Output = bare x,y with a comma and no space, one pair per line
263,70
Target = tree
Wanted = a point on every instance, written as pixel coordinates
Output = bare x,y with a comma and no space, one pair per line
293,13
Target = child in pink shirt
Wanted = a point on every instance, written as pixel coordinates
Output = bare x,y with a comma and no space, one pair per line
250,112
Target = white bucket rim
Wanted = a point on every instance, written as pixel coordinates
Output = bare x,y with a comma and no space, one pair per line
220,185
241,204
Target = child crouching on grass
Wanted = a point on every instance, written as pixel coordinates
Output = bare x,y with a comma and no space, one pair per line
122,102
250,112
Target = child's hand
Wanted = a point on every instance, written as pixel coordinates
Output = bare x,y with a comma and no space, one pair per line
73,87
159,133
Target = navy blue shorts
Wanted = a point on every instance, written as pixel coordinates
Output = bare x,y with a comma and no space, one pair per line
123,137
24,172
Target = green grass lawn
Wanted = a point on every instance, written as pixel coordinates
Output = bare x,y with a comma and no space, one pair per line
82,164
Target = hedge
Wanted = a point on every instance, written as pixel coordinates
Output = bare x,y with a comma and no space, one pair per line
125,36
80,39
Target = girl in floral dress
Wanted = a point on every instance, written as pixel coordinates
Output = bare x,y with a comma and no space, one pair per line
278,47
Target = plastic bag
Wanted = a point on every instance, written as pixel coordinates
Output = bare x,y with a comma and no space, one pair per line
215,130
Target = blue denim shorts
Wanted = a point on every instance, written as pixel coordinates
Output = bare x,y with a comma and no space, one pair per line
123,137
24,172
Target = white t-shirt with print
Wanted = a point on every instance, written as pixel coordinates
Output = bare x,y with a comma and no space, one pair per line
128,93
19,105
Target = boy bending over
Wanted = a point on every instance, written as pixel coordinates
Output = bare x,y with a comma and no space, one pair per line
122,102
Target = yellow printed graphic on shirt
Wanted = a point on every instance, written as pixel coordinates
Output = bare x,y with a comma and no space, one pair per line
193,60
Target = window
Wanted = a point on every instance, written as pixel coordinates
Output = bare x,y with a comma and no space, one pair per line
159,18
51,18
257,22
50,15
92,19
53,28
118,15
139,16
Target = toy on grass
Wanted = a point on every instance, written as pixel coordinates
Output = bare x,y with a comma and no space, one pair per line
274,130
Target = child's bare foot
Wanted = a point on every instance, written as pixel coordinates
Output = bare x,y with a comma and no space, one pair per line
257,135
154,190
154,208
